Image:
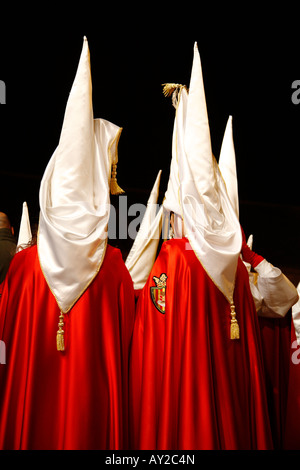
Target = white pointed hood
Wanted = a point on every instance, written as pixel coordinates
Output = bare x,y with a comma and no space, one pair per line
210,222
25,234
171,202
227,165
74,195
142,255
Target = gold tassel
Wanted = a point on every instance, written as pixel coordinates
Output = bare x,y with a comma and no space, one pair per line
169,88
234,326
60,341
114,187
172,89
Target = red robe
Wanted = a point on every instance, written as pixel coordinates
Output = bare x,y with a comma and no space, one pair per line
292,424
191,386
276,340
76,399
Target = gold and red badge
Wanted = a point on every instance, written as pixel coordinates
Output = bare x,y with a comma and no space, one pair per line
158,292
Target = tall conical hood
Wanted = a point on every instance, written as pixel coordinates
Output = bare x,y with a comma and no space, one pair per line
25,234
210,222
197,138
227,165
171,201
74,195
142,255
76,144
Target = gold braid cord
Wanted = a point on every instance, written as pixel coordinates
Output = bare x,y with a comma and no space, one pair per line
114,187
234,326
60,340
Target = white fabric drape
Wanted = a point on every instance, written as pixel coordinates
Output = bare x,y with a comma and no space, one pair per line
74,195
210,222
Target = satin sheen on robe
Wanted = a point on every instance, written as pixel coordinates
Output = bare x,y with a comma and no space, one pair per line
76,399
191,386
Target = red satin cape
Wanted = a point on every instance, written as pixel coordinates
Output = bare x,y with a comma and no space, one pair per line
191,386
76,399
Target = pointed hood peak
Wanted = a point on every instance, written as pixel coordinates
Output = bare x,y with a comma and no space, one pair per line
25,234
210,223
197,135
74,194
227,165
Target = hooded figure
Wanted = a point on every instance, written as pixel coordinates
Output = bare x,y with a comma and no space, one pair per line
273,295
272,291
196,373
143,252
67,308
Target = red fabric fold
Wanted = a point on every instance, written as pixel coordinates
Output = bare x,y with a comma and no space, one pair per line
291,436
191,386
76,399
249,256
275,338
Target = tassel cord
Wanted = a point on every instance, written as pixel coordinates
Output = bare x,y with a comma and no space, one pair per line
114,187
234,326
60,340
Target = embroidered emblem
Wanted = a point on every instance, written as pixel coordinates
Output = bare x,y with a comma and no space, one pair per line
158,292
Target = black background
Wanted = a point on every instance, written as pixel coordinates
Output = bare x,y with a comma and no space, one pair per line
249,57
